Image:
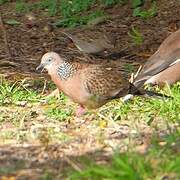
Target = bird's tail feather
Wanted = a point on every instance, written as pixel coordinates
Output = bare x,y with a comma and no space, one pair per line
135,91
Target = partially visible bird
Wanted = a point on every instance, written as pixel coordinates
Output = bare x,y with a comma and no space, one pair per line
89,85
92,46
164,65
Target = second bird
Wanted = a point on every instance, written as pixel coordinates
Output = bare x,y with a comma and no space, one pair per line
164,65
92,46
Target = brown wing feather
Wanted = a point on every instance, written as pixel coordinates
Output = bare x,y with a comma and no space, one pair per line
104,81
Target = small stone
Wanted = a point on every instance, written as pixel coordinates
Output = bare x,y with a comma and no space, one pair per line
21,103
163,143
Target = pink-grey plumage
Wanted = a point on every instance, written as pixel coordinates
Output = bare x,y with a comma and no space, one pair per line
164,65
89,85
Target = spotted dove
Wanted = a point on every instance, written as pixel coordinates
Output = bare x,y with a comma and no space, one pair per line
90,85
164,65
92,46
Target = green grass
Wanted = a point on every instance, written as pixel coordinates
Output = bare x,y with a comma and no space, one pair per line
4,1
72,11
151,12
57,109
75,6
137,3
159,162
7,135
136,36
26,90
47,175
129,68
109,3
21,7
148,108
12,93
160,115
144,108
12,169
51,6
76,12
59,113
76,20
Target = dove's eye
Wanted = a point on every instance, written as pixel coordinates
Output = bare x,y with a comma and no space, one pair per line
49,59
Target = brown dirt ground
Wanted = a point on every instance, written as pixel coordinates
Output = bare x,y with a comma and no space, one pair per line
27,46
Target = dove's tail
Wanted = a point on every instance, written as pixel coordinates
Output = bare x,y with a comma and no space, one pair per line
135,91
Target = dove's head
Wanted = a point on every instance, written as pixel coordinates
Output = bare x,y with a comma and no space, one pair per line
49,61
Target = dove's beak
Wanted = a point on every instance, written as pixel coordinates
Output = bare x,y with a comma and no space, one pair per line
40,67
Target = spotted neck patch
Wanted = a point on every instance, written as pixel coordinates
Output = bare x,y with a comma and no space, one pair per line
65,70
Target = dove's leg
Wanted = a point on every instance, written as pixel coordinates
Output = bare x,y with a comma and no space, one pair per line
80,111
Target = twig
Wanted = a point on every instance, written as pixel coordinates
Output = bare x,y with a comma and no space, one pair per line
137,73
76,167
5,37
44,87
133,76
